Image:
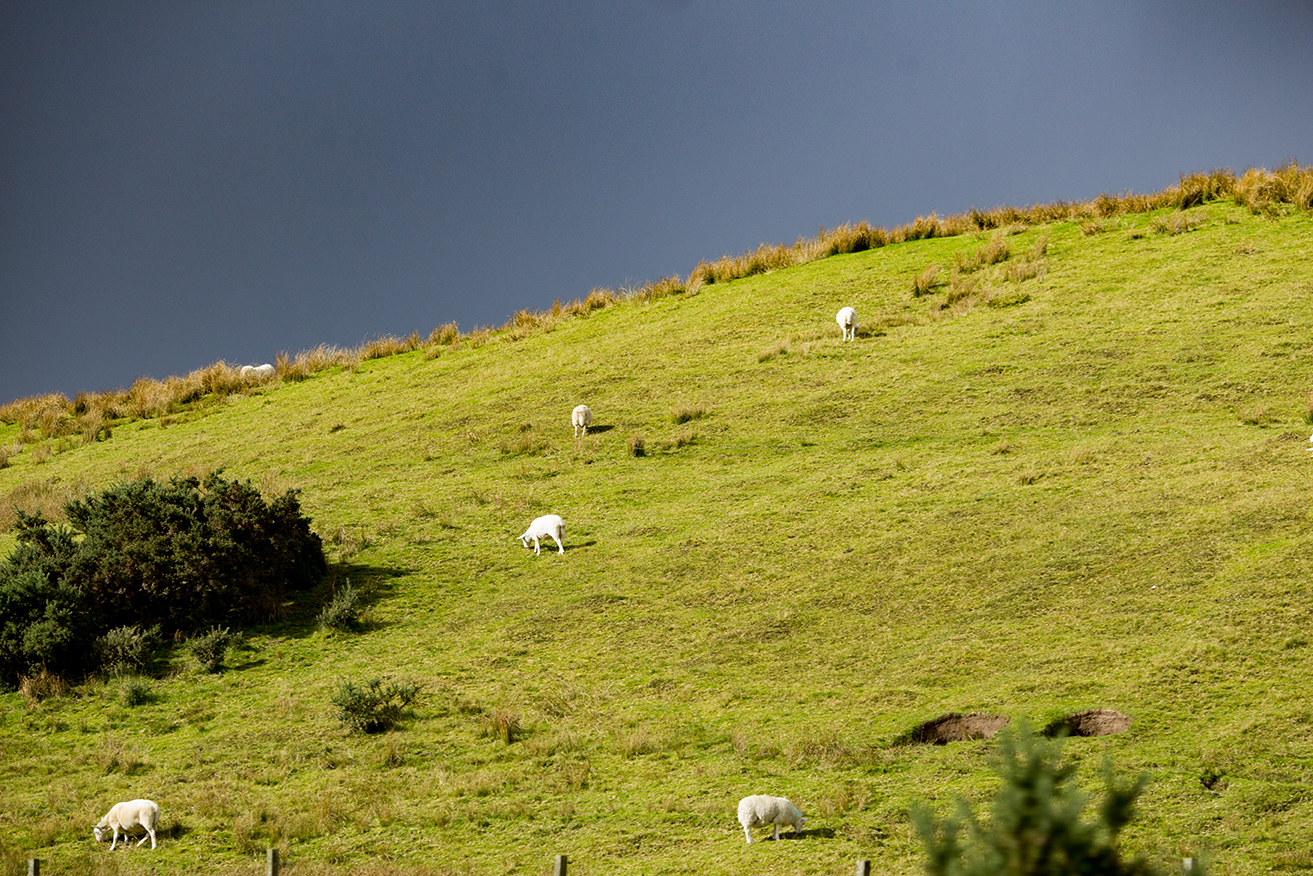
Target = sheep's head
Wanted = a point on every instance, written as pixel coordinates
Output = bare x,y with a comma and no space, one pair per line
99,832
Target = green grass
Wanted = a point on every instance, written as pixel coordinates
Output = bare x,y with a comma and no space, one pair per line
1086,487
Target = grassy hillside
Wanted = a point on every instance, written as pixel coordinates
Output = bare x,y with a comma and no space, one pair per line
1076,477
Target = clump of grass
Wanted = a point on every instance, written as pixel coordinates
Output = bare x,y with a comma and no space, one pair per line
635,742
925,282
1264,192
349,543
995,251
115,755
1033,264
390,756
779,348
44,685
1021,271
683,438
635,445
503,724
1252,413
46,497
136,691
527,444
1174,223
211,648
1199,188
343,613
387,345
446,335
374,706
963,288
683,413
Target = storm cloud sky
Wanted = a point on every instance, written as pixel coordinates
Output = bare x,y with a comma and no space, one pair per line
184,182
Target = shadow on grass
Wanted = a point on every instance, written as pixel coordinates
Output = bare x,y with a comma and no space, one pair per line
301,612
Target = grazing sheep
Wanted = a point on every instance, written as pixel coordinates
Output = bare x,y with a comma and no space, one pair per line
762,809
847,320
541,528
126,816
581,418
259,372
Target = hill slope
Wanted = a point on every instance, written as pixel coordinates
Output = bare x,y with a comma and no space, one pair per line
1082,484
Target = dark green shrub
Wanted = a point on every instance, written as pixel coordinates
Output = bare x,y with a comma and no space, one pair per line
188,552
45,623
176,555
374,706
211,648
1035,824
343,613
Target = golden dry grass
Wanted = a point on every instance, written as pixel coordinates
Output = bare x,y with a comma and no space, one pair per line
53,417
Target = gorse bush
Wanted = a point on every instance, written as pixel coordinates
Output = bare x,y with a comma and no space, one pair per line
343,612
145,554
1035,827
211,648
374,706
125,650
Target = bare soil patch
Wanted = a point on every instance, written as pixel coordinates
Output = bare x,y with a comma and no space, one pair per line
1091,722
956,728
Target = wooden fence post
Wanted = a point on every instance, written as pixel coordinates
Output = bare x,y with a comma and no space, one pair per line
559,869
863,868
272,867
33,867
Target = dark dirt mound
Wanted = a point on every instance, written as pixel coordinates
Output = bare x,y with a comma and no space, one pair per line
956,728
1091,722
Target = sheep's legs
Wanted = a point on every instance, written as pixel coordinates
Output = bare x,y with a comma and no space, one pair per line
747,833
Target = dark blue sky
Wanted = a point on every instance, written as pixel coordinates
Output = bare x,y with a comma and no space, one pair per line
183,182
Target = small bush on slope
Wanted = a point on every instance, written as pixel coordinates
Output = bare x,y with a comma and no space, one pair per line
374,706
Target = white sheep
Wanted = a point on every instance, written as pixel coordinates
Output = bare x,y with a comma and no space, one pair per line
581,418
257,372
847,320
126,816
762,809
542,527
